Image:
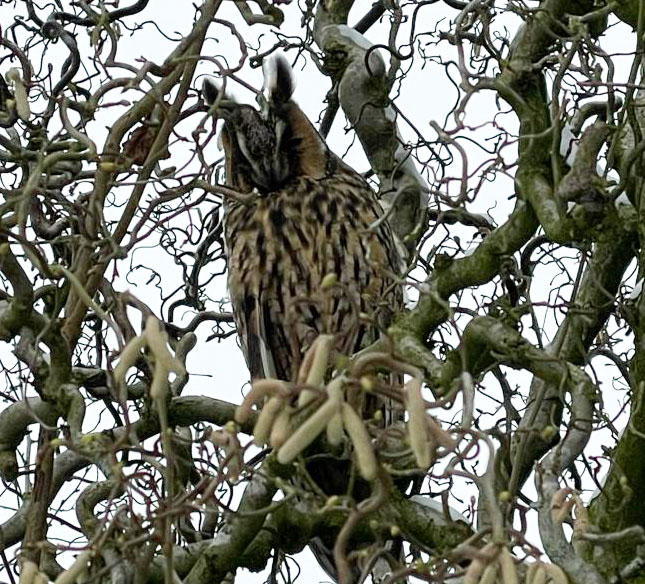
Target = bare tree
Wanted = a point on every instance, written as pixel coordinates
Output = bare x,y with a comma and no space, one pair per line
518,363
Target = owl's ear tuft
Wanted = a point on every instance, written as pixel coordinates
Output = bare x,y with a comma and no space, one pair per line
214,93
278,79
210,91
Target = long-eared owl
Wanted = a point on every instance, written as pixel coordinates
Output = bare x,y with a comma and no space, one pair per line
311,252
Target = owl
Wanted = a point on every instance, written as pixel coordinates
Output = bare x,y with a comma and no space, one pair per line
310,251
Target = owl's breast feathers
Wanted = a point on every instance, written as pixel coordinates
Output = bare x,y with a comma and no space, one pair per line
281,247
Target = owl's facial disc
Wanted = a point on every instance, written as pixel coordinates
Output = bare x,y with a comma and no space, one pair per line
254,144
266,149
259,144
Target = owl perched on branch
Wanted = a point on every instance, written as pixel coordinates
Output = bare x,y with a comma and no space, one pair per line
311,253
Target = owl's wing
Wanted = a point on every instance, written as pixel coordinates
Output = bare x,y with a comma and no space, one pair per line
260,327
250,330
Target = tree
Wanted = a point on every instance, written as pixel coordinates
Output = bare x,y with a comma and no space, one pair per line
521,223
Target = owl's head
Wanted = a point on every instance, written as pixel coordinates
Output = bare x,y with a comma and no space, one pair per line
268,148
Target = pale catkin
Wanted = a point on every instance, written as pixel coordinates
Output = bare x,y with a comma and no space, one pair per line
28,571
307,432
562,513
128,358
20,94
530,572
159,384
556,573
318,363
281,428
335,426
365,458
158,342
468,393
307,360
164,361
260,389
489,575
266,419
418,423
478,564
559,497
581,521
40,578
320,360
540,575
560,506
70,575
335,430
335,389
509,573
474,571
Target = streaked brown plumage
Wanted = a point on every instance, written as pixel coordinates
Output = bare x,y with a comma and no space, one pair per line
313,216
